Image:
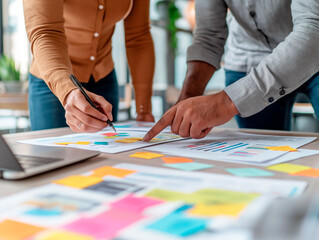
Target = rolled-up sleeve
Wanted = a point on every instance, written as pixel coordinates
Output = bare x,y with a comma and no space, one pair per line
210,32
292,63
45,29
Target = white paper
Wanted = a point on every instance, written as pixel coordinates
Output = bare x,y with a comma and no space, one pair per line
235,147
112,147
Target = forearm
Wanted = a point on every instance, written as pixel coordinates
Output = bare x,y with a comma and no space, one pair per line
197,77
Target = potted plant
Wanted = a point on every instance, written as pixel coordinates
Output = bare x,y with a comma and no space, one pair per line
10,75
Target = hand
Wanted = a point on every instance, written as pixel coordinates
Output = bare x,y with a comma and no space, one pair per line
145,117
82,117
195,117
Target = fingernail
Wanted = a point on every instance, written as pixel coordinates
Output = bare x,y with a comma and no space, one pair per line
104,119
146,137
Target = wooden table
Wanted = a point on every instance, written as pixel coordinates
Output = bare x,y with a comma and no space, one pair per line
10,187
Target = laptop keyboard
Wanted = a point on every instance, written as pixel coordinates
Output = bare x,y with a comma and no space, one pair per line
31,162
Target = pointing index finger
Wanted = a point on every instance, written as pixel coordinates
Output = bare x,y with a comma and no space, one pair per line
165,121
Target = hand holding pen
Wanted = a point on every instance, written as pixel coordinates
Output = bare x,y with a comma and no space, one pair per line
86,111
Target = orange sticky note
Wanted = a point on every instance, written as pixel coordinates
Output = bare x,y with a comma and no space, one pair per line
64,143
12,230
282,148
312,172
111,134
216,210
79,181
117,172
172,160
82,143
146,155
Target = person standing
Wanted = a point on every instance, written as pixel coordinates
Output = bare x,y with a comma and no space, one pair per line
75,37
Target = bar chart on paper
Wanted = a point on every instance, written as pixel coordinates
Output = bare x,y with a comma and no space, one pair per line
227,146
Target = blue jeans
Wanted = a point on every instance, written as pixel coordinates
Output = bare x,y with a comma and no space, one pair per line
277,116
47,112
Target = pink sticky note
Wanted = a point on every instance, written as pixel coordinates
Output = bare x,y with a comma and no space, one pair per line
105,225
111,134
136,204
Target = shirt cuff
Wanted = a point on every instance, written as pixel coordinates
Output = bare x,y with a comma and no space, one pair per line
246,96
143,95
197,53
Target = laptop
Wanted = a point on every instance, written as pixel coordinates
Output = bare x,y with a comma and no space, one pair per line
24,160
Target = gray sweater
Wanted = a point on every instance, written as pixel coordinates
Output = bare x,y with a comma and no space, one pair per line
275,41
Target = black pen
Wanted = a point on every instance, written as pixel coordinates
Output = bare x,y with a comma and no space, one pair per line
79,86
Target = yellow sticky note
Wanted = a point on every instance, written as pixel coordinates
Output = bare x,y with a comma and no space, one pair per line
12,230
282,148
288,168
78,181
126,141
135,138
117,172
110,137
82,143
64,143
215,210
62,235
146,155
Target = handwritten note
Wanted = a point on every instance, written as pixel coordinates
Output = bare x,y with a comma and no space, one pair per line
78,181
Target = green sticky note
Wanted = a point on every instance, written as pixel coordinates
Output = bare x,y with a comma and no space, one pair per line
249,172
288,168
101,143
218,196
167,195
191,166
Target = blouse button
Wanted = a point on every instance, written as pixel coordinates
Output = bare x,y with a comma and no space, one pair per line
101,7
92,58
96,34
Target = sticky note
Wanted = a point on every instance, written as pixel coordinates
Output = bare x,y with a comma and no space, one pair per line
134,203
62,235
216,210
111,134
282,148
101,143
117,172
179,225
167,195
43,212
64,143
78,181
171,160
82,143
111,137
105,225
123,126
126,141
191,166
146,155
249,172
13,230
136,138
288,168
312,172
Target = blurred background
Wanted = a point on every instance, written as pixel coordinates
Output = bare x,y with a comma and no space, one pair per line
172,24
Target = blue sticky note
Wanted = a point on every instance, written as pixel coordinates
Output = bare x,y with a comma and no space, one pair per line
179,225
123,126
42,212
191,166
249,172
101,143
